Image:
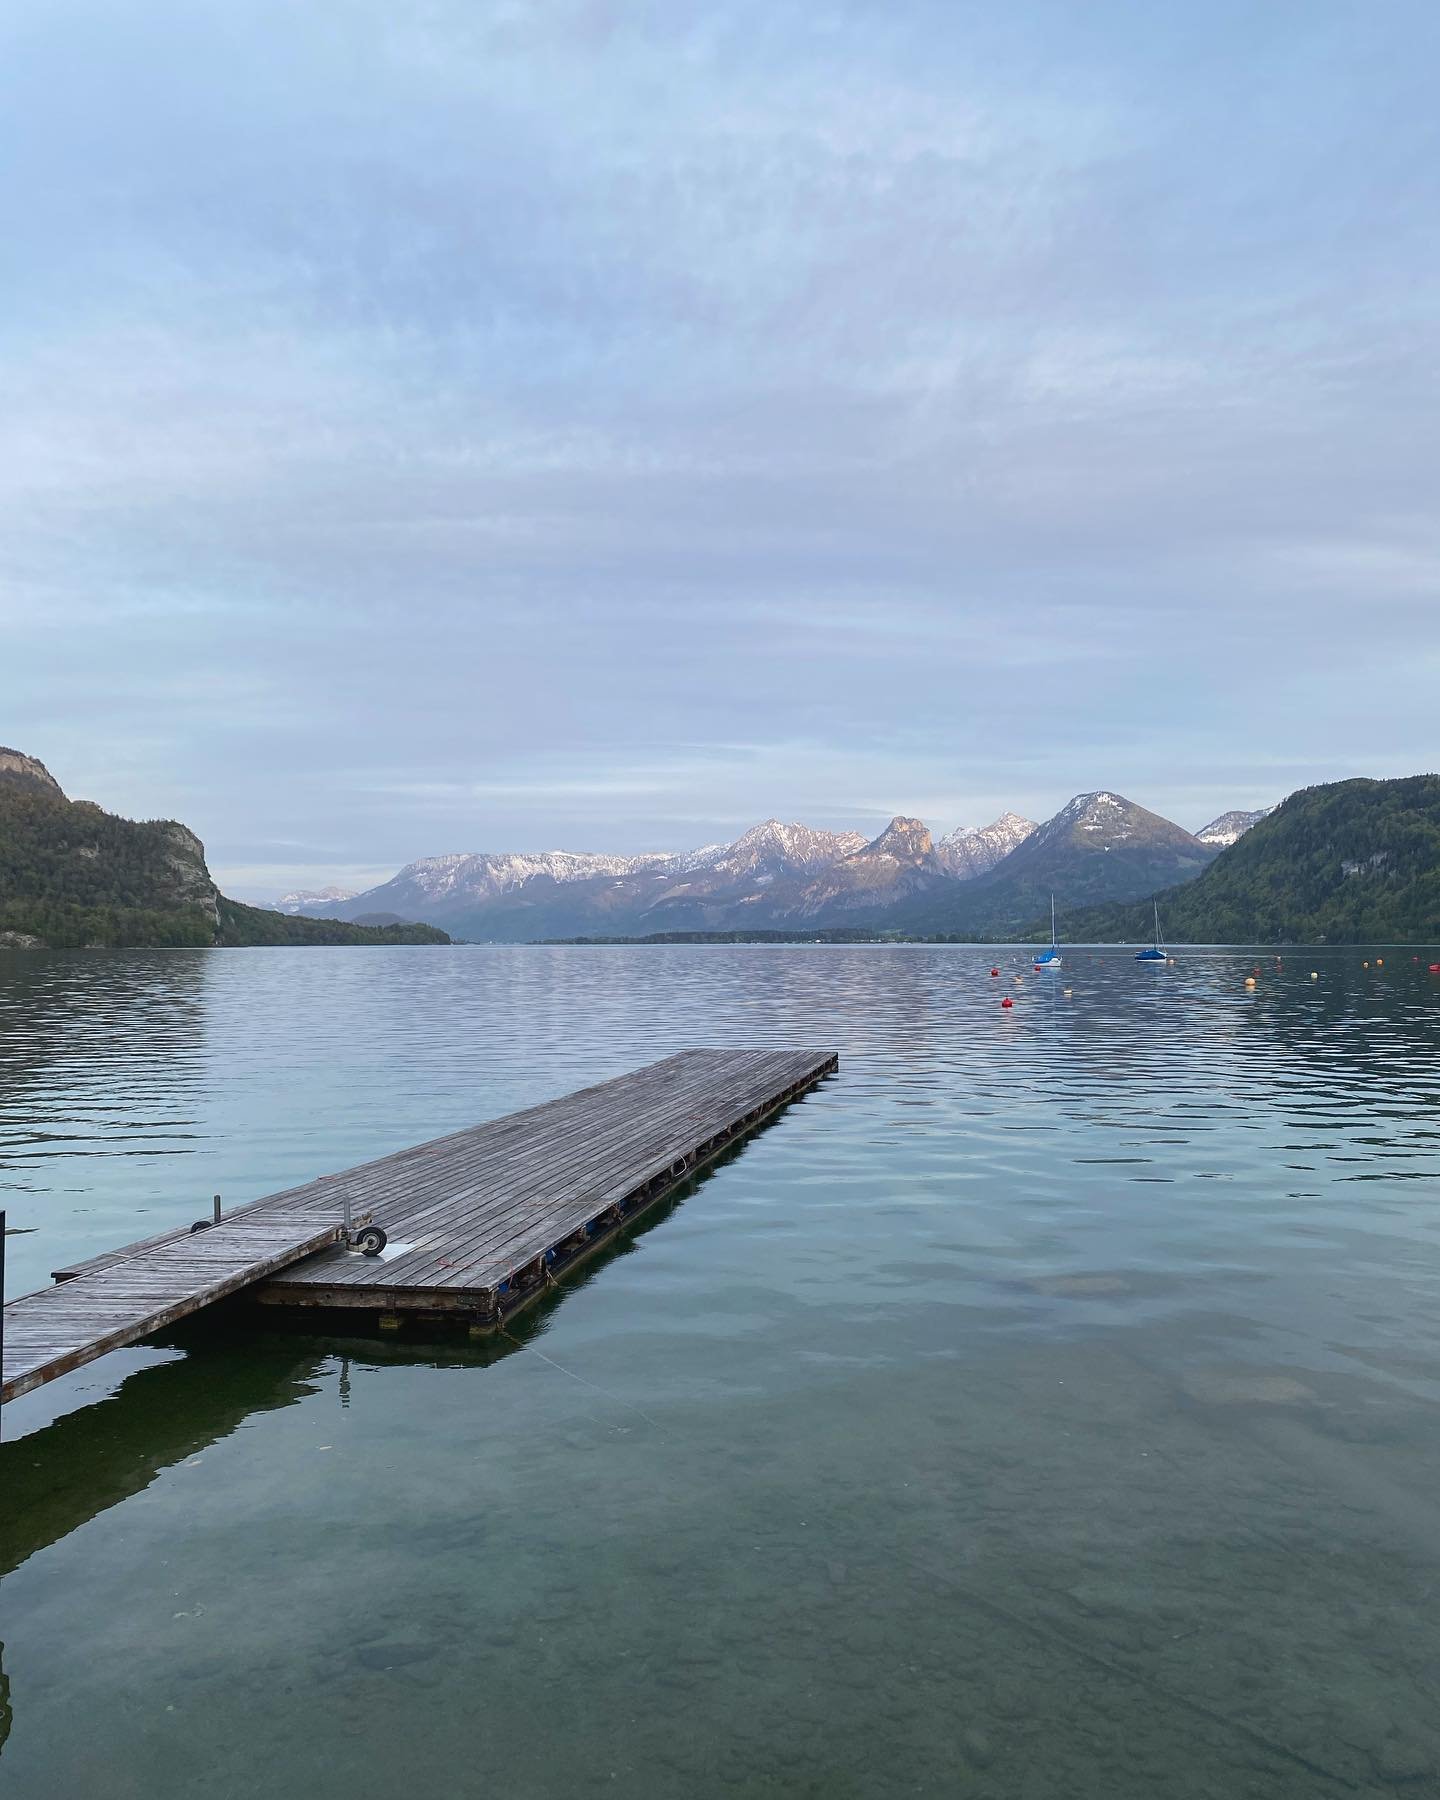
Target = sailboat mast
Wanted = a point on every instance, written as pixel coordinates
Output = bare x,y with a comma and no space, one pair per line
1053,939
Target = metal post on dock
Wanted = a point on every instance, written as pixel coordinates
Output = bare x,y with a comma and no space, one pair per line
217,1209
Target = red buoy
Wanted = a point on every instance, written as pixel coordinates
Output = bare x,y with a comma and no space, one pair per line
1435,968
1007,1001
994,971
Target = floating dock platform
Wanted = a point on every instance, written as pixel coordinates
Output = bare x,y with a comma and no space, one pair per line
479,1224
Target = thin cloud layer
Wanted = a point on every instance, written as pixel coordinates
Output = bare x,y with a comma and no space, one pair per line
478,426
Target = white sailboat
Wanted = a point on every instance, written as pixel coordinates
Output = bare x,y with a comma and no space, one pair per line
1051,958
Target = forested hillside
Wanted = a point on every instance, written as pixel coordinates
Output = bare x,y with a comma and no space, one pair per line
1349,862
241,924
74,875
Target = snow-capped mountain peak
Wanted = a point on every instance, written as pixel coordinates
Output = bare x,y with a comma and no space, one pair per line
1105,821
1102,818
1230,827
305,900
772,847
482,874
967,852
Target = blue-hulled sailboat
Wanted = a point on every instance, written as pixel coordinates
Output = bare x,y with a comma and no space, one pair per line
1051,958
1157,952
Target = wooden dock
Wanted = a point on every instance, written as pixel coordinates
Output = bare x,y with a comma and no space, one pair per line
479,1223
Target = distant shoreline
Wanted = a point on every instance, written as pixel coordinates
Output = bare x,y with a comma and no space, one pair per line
842,938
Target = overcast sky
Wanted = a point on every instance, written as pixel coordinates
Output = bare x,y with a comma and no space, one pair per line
441,426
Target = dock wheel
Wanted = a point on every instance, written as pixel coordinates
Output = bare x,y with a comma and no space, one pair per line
370,1241
201,1225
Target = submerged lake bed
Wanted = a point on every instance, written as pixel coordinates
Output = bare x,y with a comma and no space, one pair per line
1046,1404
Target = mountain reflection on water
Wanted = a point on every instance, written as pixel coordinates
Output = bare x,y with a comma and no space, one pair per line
1045,1405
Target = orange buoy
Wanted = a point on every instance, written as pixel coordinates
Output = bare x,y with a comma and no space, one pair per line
1007,1001
1379,962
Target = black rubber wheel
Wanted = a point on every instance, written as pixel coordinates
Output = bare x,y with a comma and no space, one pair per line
201,1225
371,1241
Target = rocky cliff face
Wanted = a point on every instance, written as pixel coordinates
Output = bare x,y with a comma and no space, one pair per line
20,770
188,882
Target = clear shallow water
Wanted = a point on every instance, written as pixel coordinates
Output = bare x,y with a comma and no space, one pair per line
1047,1405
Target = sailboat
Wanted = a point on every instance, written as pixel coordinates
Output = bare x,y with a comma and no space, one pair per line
1051,958
1157,952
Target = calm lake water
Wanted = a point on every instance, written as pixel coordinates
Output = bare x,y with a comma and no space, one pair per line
1048,1405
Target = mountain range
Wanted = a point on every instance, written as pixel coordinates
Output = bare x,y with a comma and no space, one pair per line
1355,860
793,877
